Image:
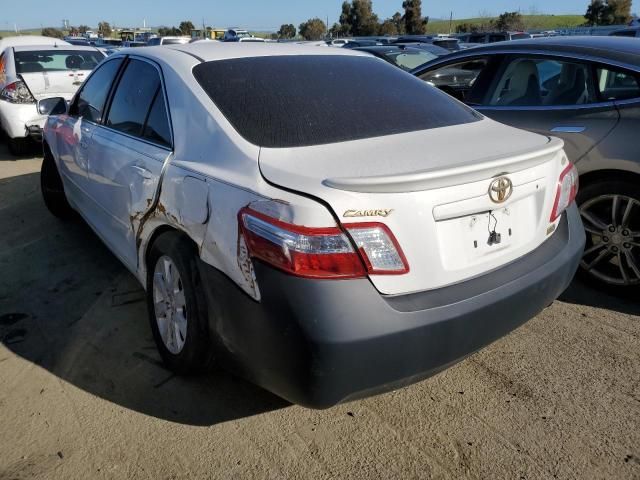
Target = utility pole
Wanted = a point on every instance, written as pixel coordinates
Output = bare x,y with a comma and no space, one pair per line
450,21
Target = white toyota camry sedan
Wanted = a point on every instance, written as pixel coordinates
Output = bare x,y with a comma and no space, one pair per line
318,221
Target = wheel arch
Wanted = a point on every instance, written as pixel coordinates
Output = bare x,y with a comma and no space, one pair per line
159,231
595,176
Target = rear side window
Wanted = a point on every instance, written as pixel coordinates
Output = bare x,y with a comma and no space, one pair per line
89,103
294,101
136,91
617,84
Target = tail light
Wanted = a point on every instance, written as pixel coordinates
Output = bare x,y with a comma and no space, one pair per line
17,92
566,192
321,252
378,248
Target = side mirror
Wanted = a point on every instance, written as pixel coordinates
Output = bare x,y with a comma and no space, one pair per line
52,106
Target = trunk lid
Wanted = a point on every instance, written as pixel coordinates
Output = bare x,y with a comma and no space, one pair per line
54,84
431,189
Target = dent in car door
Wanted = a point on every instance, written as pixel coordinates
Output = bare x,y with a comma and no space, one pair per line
558,97
127,156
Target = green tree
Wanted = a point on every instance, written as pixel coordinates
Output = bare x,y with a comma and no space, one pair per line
399,22
104,29
169,32
52,32
509,21
620,11
344,27
363,21
186,27
388,27
414,22
287,31
83,29
467,28
313,29
608,12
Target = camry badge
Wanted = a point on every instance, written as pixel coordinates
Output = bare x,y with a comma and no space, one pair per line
500,189
383,212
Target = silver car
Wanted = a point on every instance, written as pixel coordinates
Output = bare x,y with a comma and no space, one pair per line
585,90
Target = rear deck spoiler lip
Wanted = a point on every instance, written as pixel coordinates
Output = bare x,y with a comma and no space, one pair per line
430,179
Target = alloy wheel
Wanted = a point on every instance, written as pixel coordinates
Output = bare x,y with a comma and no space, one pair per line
170,304
612,252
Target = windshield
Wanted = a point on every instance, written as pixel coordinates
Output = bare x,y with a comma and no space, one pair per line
56,60
303,100
408,60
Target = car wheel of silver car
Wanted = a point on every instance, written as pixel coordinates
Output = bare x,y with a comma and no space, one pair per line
177,307
610,211
52,188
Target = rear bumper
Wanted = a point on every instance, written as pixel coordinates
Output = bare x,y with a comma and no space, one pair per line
21,120
318,343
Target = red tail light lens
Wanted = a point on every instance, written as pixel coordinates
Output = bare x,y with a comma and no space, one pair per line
322,252
566,192
302,251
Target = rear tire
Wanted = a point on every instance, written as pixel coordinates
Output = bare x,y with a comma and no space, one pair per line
612,252
52,188
19,147
177,305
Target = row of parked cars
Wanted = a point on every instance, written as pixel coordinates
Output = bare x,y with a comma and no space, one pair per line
293,212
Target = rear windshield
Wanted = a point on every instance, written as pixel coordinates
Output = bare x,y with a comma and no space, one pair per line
410,59
294,101
56,60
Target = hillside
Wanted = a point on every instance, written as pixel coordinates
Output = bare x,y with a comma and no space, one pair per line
532,22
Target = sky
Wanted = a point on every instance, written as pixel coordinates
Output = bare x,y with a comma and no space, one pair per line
251,14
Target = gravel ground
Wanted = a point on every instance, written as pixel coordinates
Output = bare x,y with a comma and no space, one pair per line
84,395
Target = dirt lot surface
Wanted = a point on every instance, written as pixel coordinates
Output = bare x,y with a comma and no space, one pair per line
84,395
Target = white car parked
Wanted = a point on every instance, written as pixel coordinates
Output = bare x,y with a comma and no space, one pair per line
31,70
168,41
321,222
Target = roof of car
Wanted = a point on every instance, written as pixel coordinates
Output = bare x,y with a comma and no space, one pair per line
29,40
211,51
618,49
66,48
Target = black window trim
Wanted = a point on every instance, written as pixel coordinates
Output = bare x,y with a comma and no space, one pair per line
114,87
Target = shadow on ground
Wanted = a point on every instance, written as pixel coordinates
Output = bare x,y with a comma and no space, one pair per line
582,294
68,306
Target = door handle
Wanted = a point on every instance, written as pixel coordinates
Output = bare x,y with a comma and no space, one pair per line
143,172
568,129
